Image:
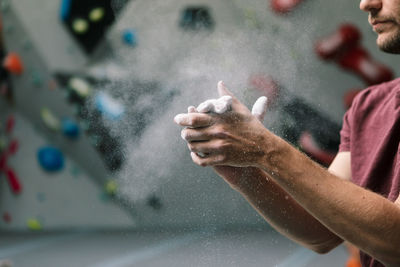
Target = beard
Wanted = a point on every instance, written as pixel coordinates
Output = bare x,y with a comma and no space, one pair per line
391,43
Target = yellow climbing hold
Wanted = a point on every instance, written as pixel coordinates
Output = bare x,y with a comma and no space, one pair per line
96,14
34,224
50,120
111,187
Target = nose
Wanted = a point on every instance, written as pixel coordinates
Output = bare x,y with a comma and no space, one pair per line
370,5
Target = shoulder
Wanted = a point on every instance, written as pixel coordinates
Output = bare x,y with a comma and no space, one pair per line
375,94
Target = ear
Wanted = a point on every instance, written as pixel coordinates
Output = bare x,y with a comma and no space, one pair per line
260,108
222,90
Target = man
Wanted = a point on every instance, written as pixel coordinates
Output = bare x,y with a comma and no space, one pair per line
355,200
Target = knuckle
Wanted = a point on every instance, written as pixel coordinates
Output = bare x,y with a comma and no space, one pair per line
184,134
221,158
194,120
203,163
191,147
222,144
191,120
221,132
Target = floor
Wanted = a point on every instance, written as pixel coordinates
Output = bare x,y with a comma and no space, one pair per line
194,248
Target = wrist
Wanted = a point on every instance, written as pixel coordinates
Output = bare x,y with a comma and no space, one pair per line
274,148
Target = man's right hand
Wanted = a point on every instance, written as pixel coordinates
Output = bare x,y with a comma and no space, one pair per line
237,176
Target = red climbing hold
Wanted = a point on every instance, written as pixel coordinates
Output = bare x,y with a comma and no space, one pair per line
13,63
3,161
10,124
13,147
13,181
284,6
349,97
310,147
266,86
7,217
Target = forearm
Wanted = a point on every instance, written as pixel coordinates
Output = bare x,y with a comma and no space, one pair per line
357,215
280,210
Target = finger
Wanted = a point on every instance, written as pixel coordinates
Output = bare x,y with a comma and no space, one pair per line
204,147
260,108
223,104
193,120
234,103
193,135
222,90
208,160
206,106
192,109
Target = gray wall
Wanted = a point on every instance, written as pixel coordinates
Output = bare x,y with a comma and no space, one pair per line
159,164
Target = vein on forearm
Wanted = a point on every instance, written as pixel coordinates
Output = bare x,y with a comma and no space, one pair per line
362,217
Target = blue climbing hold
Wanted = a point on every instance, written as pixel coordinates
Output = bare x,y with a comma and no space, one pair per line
65,9
108,106
70,128
50,158
129,37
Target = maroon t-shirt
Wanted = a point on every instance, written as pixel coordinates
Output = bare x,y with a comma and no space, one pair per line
371,132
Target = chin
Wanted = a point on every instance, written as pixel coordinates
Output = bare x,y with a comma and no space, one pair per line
389,43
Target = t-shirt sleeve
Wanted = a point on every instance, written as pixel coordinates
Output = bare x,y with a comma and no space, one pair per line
345,133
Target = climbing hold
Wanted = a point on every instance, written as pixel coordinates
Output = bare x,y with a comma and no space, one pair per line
310,147
349,97
50,158
284,6
332,46
13,147
129,37
3,161
70,128
12,62
80,26
65,9
96,14
111,187
108,106
10,124
80,87
50,120
7,217
266,86
34,224
13,181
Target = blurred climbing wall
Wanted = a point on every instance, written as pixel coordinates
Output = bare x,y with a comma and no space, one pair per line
129,167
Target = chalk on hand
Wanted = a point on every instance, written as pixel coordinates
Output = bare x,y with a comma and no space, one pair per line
260,107
192,109
179,118
218,106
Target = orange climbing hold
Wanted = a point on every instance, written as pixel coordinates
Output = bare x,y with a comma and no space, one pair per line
352,262
12,62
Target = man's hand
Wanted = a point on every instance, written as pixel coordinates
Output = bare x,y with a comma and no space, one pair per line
234,138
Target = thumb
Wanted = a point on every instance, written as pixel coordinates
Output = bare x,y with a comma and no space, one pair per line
222,90
260,108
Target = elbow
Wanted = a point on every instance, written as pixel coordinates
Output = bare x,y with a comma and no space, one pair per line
323,249
326,247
